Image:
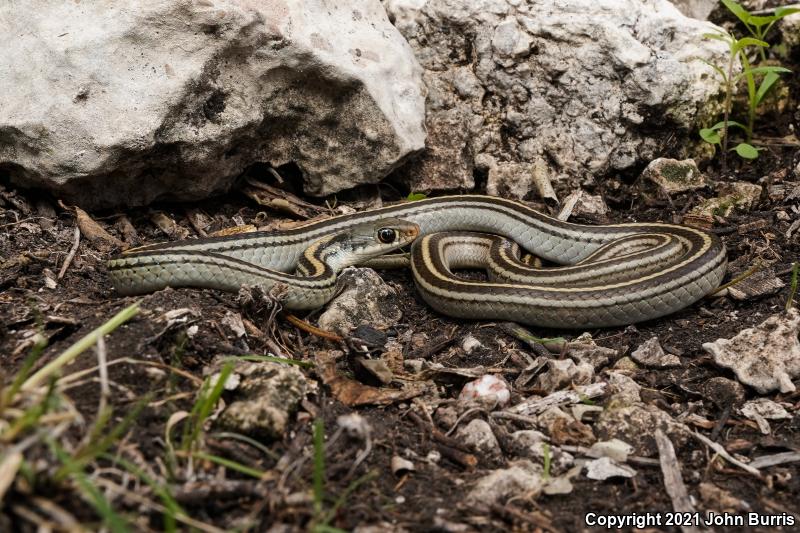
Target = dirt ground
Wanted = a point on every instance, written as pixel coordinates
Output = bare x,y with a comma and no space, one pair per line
120,439
36,235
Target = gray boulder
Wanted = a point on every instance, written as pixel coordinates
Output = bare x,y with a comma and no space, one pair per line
107,104
585,88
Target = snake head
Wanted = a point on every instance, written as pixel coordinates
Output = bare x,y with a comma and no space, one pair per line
370,239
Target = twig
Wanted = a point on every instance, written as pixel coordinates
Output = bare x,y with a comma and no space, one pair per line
539,405
673,480
153,506
738,279
776,459
721,452
793,288
68,380
464,415
308,328
72,251
450,448
508,513
633,459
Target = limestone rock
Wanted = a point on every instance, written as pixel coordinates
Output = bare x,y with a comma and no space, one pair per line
738,195
366,299
650,353
588,87
266,395
672,176
697,9
766,357
479,436
521,477
636,423
174,98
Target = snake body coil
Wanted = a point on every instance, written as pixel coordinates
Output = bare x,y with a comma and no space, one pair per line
615,274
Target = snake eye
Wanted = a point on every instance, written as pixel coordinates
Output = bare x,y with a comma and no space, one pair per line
387,235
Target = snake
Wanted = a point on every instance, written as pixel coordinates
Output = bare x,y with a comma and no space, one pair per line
610,275
312,285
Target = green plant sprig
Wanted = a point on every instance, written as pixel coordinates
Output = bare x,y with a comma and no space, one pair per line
758,26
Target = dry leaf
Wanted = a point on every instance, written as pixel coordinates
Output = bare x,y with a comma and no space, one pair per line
353,393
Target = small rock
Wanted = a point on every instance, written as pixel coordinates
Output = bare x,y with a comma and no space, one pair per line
370,336
723,392
526,438
470,344
604,468
446,416
414,366
235,323
355,425
488,389
625,364
635,425
651,354
761,409
366,299
613,449
266,397
673,176
478,434
511,180
378,369
561,373
739,195
766,357
696,9
624,390
790,35
584,349
579,411
401,466
563,428
521,477
581,203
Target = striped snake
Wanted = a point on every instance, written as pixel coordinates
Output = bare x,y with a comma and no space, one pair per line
613,274
314,283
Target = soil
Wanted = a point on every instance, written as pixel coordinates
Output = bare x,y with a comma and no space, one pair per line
36,235
34,246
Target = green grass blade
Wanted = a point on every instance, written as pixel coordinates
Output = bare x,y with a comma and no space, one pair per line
98,445
369,476
31,415
173,507
793,286
79,347
101,505
233,465
547,459
205,404
8,394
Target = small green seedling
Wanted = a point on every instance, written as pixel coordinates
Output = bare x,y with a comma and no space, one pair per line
717,134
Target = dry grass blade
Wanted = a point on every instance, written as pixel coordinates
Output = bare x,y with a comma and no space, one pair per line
8,471
153,506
